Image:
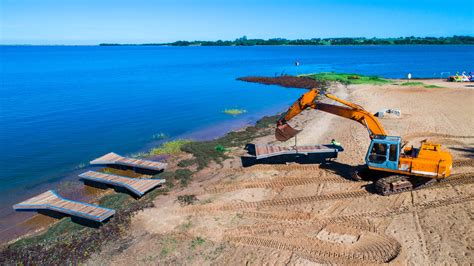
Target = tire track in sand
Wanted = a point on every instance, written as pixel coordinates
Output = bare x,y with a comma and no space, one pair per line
278,202
454,180
367,247
277,183
312,217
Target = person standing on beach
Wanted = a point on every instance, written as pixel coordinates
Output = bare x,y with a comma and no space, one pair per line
409,76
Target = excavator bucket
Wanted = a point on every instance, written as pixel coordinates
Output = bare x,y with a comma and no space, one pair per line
285,132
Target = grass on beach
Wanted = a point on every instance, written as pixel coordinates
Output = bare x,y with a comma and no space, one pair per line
412,83
234,111
432,86
420,84
347,78
169,147
184,176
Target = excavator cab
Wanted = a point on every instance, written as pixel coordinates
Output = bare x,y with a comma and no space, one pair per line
384,152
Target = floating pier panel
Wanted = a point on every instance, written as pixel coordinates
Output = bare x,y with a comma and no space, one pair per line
115,159
138,186
50,200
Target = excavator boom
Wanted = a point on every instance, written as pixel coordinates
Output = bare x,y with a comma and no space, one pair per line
308,100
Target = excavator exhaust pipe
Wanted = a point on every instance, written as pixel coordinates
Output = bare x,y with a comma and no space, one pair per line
285,132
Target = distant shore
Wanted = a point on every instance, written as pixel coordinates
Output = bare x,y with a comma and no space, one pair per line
243,41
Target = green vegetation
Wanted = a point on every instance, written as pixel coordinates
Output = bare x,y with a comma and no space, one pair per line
187,199
169,147
149,258
221,148
347,78
243,41
198,241
183,175
186,163
159,136
186,225
53,234
139,154
169,245
432,86
419,84
412,83
114,201
207,201
82,165
168,176
236,218
234,111
206,151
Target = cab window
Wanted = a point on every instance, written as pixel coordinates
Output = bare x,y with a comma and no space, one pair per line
378,154
392,155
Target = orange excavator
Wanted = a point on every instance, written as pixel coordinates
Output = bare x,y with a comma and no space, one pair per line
395,167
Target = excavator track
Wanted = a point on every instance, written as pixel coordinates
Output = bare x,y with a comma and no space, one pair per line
397,184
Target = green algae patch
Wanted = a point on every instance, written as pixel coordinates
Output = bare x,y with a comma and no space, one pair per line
346,78
159,136
234,111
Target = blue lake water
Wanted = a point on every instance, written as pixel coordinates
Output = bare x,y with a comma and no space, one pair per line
63,106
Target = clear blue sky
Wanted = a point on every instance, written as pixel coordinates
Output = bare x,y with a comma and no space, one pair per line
139,21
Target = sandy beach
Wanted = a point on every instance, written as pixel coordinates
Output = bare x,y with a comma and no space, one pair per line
312,214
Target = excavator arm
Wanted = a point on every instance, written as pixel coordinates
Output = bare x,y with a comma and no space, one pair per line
309,100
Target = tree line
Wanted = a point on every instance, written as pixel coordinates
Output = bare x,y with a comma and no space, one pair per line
244,41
